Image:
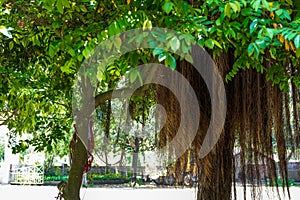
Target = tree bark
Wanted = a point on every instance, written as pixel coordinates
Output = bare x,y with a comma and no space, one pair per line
216,169
217,184
135,154
72,189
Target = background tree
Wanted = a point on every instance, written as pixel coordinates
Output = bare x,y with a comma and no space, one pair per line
2,148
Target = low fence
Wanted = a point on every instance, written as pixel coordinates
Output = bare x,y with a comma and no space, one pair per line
123,170
30,175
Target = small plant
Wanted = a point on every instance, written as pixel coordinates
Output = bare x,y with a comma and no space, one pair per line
109,176
291,182
55,178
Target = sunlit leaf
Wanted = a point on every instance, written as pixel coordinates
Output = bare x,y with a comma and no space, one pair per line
297,41
253,26
227,10
234,7
157,51
217,43
256,4
209,43
161,57
175,44
168,7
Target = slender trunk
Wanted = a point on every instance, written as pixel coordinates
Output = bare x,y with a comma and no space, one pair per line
72,189
106,161
79,149
135,159
106,139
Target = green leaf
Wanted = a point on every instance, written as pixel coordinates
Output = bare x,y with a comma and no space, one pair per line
286,15
270,33
244,2
52,50
234,7
265,4
232,33
157,51
66,69
56,24
227,10
291,35
71,52
188,58
218,44
86,52
256,50
49,4
246,12
80,57
118,42
253,26
170,61
255,4
161,57
168,7
133,75
283,86
250,49
140,78
11,45
298,53
209,43
273,52
184,47
60,7
65,3
83,8
237,3
147,25
218,21
297,42
113,29
261,44
279,12
175,44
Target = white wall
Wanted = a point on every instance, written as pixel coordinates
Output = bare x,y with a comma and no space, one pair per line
9,158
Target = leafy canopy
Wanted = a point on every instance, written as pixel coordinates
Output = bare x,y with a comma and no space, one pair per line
43,43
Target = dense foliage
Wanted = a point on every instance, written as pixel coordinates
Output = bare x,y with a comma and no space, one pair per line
43,47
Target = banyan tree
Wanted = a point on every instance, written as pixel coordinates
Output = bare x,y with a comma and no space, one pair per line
261,119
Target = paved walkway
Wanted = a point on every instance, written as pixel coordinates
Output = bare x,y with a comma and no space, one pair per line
50,192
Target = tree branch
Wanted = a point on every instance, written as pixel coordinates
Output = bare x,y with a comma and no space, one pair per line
5,119
121,93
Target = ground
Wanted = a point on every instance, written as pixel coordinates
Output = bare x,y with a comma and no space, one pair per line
50,192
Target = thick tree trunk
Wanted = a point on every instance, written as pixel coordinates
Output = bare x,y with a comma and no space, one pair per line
217,184
216,169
